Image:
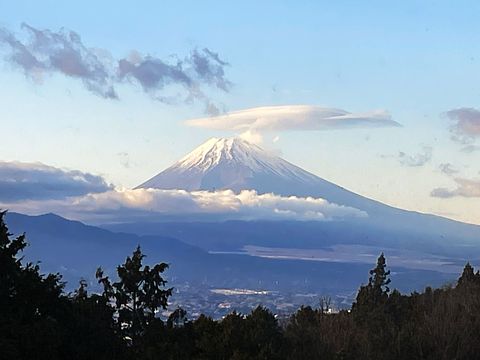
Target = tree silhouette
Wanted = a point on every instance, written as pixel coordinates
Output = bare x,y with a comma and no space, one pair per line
31,304
468,276
379,276
376,291
137,295
177,318
39,321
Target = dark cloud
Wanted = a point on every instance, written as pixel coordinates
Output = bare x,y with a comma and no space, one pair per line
466,124
442,193
465,188
415,160
48,52
154,74
208,67
21,55
35,181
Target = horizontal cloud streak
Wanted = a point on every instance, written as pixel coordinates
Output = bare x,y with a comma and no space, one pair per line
63,52
32,181
465,188
155,204
292,117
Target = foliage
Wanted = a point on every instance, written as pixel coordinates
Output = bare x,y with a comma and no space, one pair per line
39,321
137,295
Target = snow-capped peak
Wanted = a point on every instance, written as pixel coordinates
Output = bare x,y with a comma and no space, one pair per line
236,164
232,150
226,163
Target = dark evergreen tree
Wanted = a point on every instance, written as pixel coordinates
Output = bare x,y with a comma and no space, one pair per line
376,291
92,327
468,276
379,278
208,342
177,318
30,304
137,295
39,321
263,335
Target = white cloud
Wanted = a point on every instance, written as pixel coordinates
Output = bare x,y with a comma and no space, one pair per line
155,204
292,117
252,137
35,188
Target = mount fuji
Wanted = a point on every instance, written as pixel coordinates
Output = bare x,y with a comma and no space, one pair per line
233,163
301,257
236,164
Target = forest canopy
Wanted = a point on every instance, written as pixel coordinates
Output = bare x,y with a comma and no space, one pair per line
39,320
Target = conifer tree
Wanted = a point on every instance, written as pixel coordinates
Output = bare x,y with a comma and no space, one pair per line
379,277
137,295
468,276
376,291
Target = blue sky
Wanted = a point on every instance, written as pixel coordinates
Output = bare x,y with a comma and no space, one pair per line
416,60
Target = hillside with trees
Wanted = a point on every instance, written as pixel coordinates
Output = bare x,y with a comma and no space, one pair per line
39,320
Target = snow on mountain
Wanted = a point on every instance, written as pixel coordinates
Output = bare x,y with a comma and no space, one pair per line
236,151
236,164
233,163
226,163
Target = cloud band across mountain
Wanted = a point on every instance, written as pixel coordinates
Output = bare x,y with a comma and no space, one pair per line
293,117
156,204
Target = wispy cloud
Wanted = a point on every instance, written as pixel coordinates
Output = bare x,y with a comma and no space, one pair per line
34,181
470,148
448,169
292,117
466,124
46,52
154,75
416,160
124,159
465,188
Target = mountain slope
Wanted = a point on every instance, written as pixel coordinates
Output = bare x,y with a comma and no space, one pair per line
237,164
226,163
233,163
76,250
